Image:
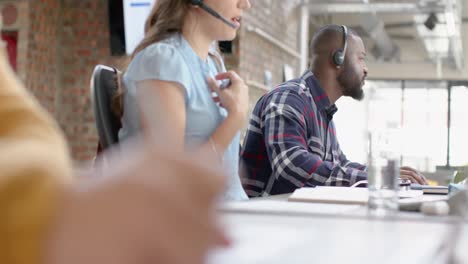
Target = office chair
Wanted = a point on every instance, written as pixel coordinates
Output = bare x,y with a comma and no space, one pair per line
103,88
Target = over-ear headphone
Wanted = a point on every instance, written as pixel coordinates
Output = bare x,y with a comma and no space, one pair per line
196,2
339,55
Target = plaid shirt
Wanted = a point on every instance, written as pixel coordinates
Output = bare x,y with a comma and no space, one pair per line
291,142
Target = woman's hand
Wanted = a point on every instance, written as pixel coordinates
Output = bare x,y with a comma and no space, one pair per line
235,97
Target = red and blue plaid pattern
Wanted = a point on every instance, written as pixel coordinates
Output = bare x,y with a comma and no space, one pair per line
291,142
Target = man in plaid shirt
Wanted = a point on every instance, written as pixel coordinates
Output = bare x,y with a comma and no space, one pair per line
291,140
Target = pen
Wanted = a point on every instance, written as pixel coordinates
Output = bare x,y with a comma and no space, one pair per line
225,84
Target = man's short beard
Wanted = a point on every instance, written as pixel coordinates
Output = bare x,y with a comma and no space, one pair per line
349,86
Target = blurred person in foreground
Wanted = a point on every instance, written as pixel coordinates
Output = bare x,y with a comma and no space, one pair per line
130,213
291,139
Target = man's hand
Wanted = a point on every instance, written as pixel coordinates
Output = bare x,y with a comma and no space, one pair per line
413,175
148,207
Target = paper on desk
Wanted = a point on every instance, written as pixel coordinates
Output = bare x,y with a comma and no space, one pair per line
340,195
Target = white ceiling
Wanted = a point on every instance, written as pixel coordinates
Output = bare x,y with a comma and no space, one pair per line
401,27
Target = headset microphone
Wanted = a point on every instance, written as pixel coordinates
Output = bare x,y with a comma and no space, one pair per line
212,12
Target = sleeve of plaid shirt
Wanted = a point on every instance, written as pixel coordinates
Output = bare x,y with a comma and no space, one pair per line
352,165
292,163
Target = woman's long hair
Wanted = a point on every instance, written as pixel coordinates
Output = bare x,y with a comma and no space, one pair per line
166,18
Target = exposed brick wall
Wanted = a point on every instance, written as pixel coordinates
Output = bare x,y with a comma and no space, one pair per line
279,19
23,41
85,43
60,41
42,68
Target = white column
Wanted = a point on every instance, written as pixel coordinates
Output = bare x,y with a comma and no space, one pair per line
304,35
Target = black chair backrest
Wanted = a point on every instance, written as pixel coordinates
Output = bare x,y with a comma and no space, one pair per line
103,88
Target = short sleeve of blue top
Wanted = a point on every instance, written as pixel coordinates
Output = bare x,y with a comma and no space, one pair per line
174,60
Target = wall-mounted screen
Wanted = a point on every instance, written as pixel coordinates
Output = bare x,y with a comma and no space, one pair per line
126,24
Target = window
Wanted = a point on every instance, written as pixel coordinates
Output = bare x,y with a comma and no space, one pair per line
424,125
410,118
459,126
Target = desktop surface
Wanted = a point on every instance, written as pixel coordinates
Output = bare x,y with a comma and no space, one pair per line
275,230
275,238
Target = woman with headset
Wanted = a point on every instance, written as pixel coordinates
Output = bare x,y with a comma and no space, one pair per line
176,88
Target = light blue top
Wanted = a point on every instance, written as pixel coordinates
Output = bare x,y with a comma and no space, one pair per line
174,60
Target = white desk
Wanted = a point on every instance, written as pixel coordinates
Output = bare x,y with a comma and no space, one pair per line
323,233
279,204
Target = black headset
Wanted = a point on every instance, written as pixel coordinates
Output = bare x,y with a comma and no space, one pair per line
339,55
208,9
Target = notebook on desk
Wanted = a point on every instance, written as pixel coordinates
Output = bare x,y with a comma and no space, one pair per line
428,189
340,195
